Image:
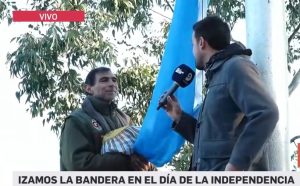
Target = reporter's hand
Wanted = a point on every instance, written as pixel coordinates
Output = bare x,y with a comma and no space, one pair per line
173,108
138,163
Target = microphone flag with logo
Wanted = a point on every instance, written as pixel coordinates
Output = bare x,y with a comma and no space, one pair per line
157,142
182,77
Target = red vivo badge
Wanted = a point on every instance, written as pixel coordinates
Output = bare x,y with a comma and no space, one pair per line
48,16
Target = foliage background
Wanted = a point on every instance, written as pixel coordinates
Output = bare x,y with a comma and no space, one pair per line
123,34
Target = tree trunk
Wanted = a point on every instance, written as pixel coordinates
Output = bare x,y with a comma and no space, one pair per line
266,36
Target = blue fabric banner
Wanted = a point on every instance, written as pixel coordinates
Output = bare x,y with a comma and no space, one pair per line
157,142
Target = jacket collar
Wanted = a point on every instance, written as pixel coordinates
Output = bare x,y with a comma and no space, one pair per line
102,106
218,59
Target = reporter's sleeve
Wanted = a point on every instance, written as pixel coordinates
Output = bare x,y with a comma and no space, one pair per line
248,92
78,152
186,127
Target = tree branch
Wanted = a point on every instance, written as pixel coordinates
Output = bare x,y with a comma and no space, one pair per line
294,33
159,14
294,83
169,5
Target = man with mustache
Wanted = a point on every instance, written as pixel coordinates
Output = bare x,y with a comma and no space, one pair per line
83,131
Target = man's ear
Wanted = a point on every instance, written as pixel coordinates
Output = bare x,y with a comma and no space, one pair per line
202,43
88,89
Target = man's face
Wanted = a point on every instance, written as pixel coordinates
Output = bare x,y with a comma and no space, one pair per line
198,53
105,87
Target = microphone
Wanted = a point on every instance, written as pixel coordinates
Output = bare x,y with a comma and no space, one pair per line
182,77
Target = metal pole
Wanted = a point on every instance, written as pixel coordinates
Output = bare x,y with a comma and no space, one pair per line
266,36
202,6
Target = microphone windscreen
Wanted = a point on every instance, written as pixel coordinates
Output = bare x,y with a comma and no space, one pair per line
183,75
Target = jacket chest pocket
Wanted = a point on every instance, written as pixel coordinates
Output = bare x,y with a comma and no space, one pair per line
216,96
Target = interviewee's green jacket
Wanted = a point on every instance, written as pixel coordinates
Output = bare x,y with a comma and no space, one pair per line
81,139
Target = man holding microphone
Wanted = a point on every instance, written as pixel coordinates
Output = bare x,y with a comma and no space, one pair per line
238,114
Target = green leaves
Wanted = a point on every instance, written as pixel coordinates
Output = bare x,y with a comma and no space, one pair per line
6,7
293,32
51,57
181,161
136,84
46,81
229,10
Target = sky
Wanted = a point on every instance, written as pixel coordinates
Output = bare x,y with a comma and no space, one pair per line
28,146
25,144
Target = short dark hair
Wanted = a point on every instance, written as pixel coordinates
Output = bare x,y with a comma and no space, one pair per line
214,30
90,78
